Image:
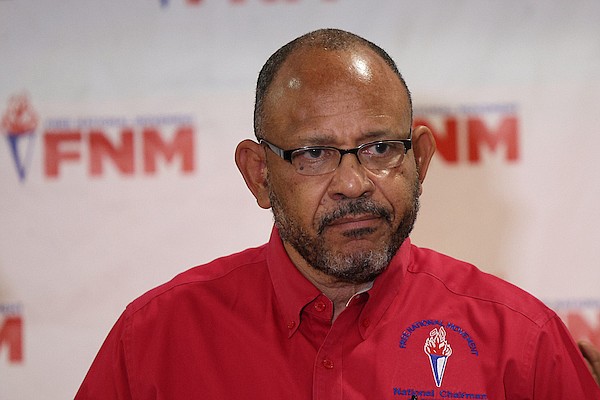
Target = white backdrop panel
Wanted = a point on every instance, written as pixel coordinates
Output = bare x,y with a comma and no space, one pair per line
76,247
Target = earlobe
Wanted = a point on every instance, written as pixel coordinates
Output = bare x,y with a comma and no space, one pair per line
250,160
424,148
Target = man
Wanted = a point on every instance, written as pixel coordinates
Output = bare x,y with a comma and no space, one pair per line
338,304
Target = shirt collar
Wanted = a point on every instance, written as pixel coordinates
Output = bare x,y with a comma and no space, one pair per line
294,291
385,289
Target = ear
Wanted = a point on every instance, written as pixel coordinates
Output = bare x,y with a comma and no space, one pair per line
250,160
423,147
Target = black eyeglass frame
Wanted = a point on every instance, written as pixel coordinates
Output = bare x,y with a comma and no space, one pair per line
287,154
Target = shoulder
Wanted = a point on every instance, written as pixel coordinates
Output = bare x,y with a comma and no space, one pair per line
464,280
219,276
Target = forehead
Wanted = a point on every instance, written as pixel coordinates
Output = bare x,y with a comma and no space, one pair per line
316,87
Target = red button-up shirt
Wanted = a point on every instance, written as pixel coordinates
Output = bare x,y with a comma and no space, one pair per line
250,326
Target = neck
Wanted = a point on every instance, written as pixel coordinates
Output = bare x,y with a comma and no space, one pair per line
337,291
339,294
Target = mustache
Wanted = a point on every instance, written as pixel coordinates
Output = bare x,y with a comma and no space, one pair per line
354,207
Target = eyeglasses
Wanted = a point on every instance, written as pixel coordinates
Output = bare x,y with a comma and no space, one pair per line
319,160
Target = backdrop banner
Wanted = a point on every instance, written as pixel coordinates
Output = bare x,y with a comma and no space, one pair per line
119,121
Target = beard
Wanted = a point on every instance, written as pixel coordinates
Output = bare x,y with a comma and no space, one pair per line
355,267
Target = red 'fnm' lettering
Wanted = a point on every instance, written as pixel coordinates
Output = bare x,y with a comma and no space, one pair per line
102,148
55,153
446,143
182,145
62,147
11,338
478,136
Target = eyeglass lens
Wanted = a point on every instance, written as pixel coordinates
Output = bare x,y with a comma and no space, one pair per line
373,156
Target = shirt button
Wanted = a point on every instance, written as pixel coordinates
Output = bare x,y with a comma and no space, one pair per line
366,323
327,363
320,306
291,324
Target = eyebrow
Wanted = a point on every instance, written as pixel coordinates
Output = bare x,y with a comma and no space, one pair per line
377,134
330,140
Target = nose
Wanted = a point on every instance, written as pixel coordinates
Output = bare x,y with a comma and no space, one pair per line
350,180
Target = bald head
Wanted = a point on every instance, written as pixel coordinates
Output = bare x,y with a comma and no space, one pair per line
327,40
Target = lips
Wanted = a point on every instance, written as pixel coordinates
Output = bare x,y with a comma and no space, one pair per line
359,219
354,226
357,214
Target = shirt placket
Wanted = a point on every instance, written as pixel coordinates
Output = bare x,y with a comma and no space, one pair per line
329,362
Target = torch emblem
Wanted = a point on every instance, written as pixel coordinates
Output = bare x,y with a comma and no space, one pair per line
19,123
438,350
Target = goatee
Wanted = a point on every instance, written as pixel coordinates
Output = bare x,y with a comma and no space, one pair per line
355,267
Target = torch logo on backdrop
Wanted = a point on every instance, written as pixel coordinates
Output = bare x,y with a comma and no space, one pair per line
19,123
438,350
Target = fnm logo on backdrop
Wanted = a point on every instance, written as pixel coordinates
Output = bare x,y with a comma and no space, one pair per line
473,133
124,146
101,145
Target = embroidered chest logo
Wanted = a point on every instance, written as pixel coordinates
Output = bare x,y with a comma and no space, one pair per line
438,350
439,340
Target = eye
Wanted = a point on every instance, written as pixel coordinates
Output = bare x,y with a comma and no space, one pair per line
381,148
313,154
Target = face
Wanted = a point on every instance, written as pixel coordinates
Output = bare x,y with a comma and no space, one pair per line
348,223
